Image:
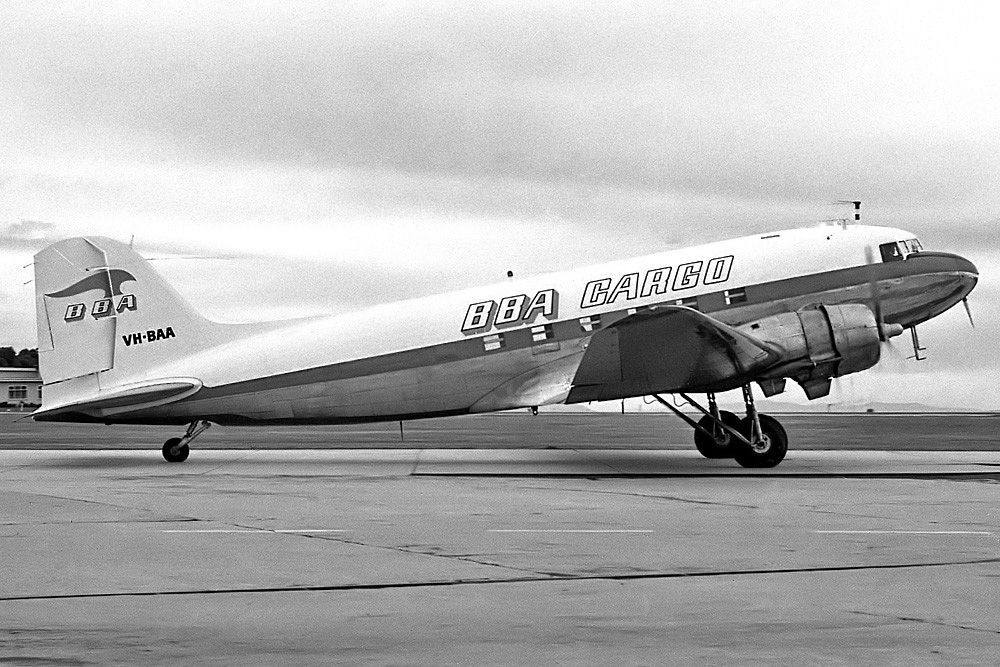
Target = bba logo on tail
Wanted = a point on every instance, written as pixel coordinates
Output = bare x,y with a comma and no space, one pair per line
109,282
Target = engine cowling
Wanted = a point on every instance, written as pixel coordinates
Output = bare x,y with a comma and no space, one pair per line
819,343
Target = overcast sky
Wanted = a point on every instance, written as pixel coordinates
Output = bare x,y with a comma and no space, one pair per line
374,151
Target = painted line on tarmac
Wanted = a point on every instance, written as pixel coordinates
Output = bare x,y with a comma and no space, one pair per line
564,530
903,532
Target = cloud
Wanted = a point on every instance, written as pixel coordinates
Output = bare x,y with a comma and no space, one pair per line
26,234
752,101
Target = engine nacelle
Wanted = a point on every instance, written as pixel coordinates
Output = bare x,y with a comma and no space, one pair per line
820,343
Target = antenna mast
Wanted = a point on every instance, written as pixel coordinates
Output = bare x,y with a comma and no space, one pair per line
857,211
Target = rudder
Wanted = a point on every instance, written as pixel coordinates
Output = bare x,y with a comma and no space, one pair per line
103,311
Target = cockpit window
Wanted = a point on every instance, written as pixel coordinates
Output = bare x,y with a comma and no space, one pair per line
911,246
891,252
899,250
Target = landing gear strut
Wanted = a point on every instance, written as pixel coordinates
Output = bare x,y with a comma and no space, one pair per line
176,450
711,439
767,442
757,441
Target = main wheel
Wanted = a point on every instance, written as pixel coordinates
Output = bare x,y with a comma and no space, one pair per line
769,452
174,451
721,446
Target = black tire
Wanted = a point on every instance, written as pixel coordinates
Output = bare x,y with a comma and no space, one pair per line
775,438
174,451
721,447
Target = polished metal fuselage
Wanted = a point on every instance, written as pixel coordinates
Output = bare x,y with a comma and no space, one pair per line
412,359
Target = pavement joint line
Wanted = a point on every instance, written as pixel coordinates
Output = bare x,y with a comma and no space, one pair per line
914,619
241,457
311,530
478,581
177,519
91,522
653,496
721,474
260,530
565,530
340,538
594,459
416,462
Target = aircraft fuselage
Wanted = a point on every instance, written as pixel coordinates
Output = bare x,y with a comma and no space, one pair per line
519,342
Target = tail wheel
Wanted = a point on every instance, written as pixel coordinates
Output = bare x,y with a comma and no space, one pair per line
174,451
722,446
769,451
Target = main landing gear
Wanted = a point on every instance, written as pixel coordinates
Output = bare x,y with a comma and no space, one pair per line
756,441
176,450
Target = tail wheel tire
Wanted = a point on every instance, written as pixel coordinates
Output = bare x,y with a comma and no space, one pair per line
770,451
723,445
174,451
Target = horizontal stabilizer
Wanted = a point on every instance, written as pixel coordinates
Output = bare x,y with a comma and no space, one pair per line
127,398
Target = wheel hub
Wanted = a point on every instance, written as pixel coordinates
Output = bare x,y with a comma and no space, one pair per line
763,445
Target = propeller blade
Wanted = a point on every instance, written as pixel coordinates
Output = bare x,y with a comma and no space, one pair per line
875,294
885,330
895,360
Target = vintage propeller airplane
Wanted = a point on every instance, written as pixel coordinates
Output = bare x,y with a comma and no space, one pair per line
118,345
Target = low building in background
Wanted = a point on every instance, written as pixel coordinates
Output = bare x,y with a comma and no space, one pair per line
20,388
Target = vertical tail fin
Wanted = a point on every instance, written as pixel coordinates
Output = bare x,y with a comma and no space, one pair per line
103,311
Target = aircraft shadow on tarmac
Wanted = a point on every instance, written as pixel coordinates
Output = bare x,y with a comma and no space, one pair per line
120,460
548,463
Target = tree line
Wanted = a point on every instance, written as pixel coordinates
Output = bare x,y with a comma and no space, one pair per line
23,359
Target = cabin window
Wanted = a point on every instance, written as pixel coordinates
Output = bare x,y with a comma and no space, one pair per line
493,342
590,322
738,295
15,391
541,333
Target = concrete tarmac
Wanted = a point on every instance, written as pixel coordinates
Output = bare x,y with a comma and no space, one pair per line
519,430
497,556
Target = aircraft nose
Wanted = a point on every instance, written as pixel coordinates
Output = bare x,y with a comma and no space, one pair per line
965,266
964,270
947,262
940,280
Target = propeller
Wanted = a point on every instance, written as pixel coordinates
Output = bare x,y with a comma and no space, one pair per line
886,332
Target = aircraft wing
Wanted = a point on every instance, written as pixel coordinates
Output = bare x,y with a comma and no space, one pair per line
667,349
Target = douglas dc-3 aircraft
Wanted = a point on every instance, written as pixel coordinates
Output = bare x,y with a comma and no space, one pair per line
118,345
